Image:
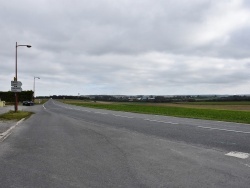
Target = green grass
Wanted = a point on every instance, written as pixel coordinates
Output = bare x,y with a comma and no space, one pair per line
12,115
217,103
42,101
209,114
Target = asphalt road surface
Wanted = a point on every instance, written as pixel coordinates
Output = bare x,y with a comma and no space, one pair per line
69,146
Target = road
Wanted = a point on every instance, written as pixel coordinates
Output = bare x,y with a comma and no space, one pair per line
68,146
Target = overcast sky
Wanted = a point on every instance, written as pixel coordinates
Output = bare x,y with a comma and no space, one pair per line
158,47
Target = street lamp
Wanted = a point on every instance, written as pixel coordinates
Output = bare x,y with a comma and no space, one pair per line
16,96
34,87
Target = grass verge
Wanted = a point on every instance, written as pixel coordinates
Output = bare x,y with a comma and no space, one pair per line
12,115
209,114
40,101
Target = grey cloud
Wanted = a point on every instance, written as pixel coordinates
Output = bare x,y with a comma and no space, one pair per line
127,47
124,27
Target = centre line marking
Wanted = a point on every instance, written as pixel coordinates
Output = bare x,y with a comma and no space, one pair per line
167,122
100,113
228,130
122,116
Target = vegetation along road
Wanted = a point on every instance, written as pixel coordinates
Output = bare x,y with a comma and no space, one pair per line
223,111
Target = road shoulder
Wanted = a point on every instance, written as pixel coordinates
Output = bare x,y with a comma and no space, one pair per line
6,128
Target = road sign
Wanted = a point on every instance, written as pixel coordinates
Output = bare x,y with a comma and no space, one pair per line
16,83
16,89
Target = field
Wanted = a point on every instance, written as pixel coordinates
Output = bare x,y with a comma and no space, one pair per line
221,111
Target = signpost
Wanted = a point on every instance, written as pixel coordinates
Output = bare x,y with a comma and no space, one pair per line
16,83
16,86
16,89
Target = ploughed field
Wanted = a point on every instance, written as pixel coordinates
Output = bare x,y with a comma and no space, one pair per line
222,111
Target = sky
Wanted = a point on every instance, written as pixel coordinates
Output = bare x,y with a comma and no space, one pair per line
126,47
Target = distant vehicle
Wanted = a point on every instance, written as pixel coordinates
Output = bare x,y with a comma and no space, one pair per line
28,103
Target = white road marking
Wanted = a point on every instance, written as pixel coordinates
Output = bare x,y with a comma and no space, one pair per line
5,134
86,111
247,165
236,154
153,120
100,113
228,130
44,107
122,116
175,123
130,117
167,122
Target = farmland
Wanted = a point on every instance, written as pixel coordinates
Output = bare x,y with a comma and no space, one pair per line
221,111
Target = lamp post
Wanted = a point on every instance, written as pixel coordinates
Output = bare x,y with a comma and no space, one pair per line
34,87
15,79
